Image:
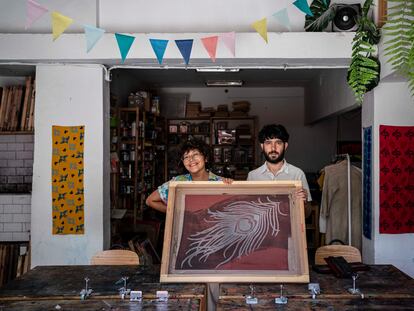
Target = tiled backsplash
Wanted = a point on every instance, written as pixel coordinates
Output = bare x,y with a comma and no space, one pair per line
15,217
16,163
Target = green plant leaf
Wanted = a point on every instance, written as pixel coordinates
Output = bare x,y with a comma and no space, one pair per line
323,13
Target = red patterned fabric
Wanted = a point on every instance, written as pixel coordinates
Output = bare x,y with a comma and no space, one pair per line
396,179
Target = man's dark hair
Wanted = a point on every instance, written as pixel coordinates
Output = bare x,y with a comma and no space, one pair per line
272,131
195,143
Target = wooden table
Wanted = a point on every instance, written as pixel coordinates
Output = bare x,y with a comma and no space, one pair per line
43,288
384,287
50,287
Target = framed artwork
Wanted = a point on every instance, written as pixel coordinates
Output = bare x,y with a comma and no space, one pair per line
249,231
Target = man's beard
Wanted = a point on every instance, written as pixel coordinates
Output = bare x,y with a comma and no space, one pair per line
274,160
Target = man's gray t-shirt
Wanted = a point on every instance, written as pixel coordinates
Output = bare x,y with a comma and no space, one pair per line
287,172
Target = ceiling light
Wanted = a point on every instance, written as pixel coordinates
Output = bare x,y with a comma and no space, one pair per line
224,83
217,69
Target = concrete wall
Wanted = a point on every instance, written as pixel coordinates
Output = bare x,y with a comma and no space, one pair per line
390,104
68,95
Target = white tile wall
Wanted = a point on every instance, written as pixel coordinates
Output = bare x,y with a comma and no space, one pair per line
15,217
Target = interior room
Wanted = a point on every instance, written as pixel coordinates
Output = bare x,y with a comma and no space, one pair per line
206,155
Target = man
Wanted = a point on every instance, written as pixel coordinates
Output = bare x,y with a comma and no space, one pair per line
273,140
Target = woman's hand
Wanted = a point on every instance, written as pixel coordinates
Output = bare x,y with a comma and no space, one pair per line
228,181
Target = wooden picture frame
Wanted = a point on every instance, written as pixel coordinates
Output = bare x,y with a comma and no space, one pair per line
217,232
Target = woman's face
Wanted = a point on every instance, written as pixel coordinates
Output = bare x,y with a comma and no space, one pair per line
194,161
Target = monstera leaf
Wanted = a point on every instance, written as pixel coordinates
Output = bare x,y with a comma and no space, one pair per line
322,15
399,38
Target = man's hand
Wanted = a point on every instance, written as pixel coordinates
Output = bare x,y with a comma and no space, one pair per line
228,181
302,194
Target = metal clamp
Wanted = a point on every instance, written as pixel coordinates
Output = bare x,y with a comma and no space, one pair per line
124,291
135,295
282,300
314,289
251,299
354,290
86,292
162,295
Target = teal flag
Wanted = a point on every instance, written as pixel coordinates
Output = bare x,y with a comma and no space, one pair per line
92,35
303,6
159,47
185,47
124,44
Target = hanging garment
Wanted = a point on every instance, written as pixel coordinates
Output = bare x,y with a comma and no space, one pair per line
334,204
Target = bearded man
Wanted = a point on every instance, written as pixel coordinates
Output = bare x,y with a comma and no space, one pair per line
273,140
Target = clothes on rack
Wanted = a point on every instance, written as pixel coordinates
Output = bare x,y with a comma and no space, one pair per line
333,219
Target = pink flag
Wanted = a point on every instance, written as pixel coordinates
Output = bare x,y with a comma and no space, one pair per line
229,40
210,44
33,12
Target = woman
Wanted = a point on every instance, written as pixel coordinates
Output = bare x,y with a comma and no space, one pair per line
194,156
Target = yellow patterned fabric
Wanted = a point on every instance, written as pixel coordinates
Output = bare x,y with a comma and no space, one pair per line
67,180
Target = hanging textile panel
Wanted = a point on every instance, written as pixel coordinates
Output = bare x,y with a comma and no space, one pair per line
67,180
396,179
367,183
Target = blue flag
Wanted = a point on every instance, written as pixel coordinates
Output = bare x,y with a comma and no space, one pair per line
303,6
92,35
159,47
185,47
124,44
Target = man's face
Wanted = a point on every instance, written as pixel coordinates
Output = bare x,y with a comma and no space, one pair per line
274,150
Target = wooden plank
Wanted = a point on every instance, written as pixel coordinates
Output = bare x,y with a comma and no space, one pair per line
30,116
9,107
379,281
3,102
27,99
17,108
46,282
355,303
114,304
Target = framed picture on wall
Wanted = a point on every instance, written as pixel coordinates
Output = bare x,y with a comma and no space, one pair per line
243,232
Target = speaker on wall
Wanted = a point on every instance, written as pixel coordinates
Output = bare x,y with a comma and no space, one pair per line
345,17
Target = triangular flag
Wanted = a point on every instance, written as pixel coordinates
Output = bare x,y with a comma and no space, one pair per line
303,6
59,24
124,44
159,46
282,18
261,27
210,44
92,35
33,12
229,40
185,47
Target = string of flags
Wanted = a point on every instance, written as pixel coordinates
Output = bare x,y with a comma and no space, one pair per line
60,23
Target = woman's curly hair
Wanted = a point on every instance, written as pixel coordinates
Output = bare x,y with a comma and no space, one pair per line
195,144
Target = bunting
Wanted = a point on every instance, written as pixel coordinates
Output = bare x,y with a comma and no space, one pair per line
92,35
261,27
303,6
159,47
229,40
210,44
59,24
124,44
34,11
185,47
282,18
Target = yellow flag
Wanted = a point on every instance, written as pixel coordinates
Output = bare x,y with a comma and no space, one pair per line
59,24
261,27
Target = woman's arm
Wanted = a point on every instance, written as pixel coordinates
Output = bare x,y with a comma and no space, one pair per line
154,200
